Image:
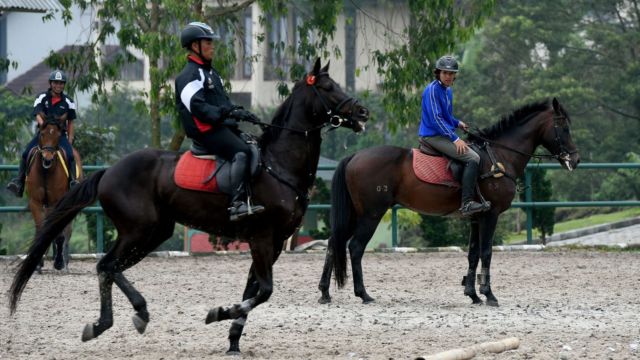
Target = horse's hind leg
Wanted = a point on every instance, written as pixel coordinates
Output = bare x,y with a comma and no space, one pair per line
105,321
129,249
58,252
487,229
325,279
469,280
141,317
365,229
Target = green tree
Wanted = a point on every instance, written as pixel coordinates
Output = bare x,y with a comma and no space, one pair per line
543,219
152,28
528,51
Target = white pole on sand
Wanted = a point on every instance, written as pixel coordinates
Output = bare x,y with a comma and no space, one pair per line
511,343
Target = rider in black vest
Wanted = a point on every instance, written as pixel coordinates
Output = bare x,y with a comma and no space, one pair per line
53,102
209,117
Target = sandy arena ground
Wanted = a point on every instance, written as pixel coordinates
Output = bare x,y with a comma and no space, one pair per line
561,305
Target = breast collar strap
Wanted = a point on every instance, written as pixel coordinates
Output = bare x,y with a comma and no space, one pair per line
495,168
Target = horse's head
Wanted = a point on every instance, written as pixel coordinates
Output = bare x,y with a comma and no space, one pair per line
330,103
49,138
557,137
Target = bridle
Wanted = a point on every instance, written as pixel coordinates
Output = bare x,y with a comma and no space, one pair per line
564,153
51,149
335,117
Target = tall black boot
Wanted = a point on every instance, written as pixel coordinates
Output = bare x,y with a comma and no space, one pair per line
16,185
469,206
73,179
239,207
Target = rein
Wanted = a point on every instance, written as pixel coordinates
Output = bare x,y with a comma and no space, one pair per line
561,156
335,120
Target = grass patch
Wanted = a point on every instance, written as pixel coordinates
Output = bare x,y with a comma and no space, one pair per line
588,221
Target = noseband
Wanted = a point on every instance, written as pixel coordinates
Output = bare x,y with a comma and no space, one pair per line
335,119
564,154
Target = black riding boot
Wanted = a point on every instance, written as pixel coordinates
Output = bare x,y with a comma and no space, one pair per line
469,206
73,181
16,185
239,207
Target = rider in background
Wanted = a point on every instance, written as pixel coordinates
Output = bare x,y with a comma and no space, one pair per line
52,102
438,129
209,117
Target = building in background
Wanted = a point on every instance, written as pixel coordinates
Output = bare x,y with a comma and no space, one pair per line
28,40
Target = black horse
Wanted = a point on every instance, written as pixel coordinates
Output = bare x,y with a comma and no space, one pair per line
140,197
369,182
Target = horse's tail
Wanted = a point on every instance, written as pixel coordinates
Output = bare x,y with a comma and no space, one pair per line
341,221
79,197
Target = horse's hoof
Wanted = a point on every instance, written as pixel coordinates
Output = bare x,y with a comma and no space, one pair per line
233,353
492,303
367,300
213,315
58,264
324,300
139,323
476,301
87,333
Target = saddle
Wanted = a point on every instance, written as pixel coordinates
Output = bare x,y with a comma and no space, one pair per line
433,167
199,170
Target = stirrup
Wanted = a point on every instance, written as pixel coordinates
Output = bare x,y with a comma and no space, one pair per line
239,210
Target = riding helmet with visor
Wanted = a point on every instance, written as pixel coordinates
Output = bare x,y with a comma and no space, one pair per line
58,75
447,63
196,31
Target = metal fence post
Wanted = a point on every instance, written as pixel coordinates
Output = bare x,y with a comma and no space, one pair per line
394,226
99,233
528,198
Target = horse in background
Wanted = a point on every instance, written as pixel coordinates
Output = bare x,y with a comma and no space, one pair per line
140,196
372,180
47,181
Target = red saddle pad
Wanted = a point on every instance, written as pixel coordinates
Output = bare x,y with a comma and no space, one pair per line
433,169
191,173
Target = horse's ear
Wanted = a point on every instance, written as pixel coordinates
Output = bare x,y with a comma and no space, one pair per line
316,67
326,67
556,105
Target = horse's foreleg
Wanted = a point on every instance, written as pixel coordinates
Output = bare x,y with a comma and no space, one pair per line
487,229
469,280
141,317
257,291
105,321
365,229
237,325
325,279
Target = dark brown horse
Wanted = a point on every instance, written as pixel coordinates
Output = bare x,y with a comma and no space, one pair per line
138,193
371,181
48,181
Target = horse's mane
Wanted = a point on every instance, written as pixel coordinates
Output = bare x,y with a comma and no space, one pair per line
279,119
516,118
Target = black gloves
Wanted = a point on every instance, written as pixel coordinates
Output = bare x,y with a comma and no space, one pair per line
243,115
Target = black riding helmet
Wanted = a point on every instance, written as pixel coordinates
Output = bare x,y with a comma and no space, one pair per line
447,63
58,75
196,31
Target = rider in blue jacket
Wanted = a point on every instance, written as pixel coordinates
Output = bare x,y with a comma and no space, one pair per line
438,129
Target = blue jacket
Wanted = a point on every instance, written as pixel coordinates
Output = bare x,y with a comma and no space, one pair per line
437,112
